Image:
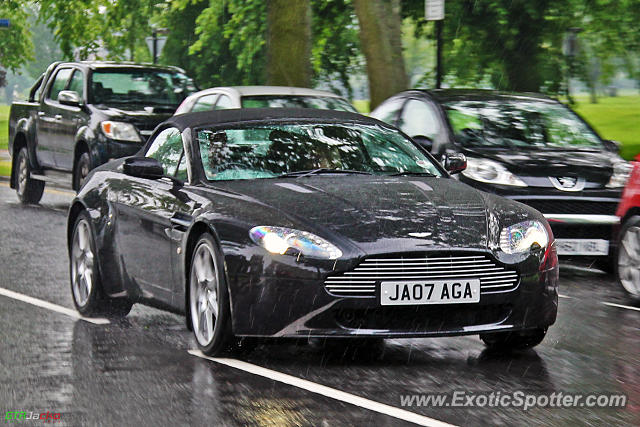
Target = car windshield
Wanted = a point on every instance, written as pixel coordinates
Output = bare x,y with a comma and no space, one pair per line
140,86
296,101
523,124
271,151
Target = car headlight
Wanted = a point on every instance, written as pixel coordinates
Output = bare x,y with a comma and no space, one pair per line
120,130
281,240
621,173
518,238
491,172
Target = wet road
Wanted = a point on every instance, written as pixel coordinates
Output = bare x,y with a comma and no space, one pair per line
139,371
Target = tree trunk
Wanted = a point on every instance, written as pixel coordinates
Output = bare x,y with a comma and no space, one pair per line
380,36
289,43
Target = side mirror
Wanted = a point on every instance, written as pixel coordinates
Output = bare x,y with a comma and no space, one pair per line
455,163
423,141
613,146
69,97
143,167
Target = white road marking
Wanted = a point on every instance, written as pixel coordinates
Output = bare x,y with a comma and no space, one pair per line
564,296
628,307
50,306
323,390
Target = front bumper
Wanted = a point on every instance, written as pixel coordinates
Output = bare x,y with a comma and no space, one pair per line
295,308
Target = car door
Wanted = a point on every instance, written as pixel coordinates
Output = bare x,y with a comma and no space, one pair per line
147,210
71,119
48,120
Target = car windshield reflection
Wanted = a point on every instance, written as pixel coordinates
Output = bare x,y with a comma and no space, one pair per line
519,124
309,149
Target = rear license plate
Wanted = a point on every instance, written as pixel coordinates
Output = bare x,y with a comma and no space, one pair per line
431,292
582,247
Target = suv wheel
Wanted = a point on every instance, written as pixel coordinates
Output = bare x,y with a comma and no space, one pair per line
29,190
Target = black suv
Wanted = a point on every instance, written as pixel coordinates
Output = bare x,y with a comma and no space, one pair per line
79,115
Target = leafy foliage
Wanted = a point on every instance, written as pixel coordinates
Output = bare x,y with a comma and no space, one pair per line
15,41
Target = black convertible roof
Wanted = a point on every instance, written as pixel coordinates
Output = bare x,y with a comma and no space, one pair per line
265,115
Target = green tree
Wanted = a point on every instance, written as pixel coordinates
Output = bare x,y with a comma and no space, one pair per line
289,43
15,42
380,36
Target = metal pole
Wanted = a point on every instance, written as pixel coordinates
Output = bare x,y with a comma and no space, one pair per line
155,46
438,54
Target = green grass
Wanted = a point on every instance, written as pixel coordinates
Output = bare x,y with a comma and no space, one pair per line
362,105
616,118
5,168
4,127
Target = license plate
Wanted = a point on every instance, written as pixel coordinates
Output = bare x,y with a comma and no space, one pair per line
582,247
431,292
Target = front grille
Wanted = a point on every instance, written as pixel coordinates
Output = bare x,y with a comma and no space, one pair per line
550,206
362,280
420,318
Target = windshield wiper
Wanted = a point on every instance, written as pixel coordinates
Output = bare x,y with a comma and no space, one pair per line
409,173
300,174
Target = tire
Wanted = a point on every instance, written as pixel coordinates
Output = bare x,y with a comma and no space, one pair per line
29,190
86,287
510,341
208,300
81,170
628,258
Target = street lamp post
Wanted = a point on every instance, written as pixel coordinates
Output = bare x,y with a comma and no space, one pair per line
570,50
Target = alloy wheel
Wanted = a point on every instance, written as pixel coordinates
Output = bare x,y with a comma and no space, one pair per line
204,291
629,261
23,174
82,261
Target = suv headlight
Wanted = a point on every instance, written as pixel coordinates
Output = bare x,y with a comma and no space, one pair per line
621,173
519,237
120,130
281,240
491,172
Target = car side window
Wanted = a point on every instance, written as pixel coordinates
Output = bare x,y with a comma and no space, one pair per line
204,103
419,119
388,112
223,103
60,82
167,148
77,83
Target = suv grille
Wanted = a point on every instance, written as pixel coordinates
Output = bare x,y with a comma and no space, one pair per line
362,280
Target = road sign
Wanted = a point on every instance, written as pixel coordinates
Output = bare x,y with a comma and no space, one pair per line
4,23
434,10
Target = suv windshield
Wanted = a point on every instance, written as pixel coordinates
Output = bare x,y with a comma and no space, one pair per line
526,124
140,86
309,149
297,101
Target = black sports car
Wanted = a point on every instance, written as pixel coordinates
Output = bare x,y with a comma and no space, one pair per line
526,147
308,223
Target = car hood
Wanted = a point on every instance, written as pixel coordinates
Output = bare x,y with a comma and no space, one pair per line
594,166
147,116
376,213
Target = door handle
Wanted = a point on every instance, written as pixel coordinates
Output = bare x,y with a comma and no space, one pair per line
58,117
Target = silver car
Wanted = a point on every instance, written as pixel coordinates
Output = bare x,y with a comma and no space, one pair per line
220,98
